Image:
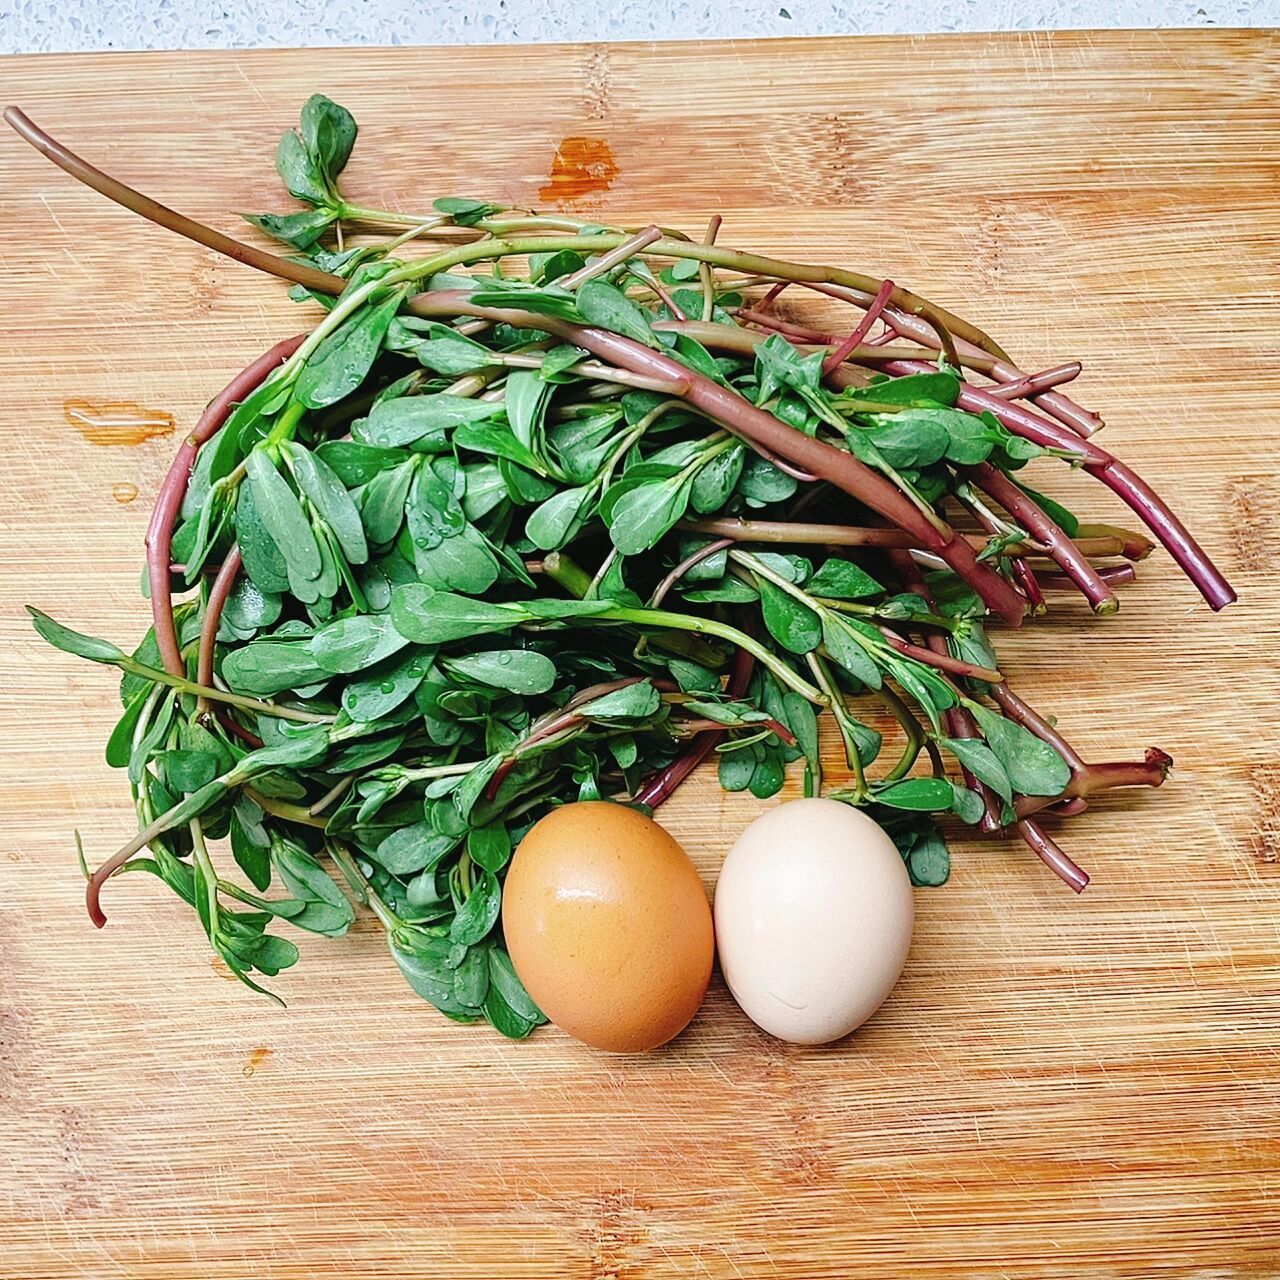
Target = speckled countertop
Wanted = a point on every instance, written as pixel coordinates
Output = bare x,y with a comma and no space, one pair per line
38,26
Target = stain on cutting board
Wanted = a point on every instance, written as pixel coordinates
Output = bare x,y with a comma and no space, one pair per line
117,422
581,167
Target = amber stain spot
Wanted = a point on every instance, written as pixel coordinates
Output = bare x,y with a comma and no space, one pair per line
219,966
582,167
256,1059
124,493
117,423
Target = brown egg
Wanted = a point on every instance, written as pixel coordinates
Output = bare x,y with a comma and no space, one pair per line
608,926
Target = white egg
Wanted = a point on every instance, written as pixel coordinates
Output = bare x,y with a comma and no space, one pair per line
813,920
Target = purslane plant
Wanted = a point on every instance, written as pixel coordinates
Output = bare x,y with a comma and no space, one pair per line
555,511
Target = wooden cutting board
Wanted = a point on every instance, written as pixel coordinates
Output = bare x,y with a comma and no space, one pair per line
1059,1086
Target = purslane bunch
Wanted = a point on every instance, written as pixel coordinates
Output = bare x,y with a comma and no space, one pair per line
555,511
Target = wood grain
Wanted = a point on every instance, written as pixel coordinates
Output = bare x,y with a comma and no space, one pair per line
1060,1086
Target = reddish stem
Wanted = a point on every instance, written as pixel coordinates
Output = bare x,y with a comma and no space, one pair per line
1083,422
1119,478
657,787
689,562
223,584
854,340
169,501
162,215
940,658
1032,516
1049,853
1090,779
1034,383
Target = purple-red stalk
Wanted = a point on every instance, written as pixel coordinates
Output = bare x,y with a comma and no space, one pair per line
658,786
854,340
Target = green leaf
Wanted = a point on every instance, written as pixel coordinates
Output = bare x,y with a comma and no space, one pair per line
331,499
923,848
74,642
252,856
328,911
356,464
328,134
982,762
526,400
464,562
352,644
266,667
911,439
519,670
779,364
381,692
432,511
473,785
426,616
490,846
263,562
923,390
803,722
283,518
423,422
297,230
1033,766
412,849
644,512
497,440
502,1018
479,913
298,170
546,267
503,979
120,744
188,771
714,483
466,213
736,769
341,362
790,621
843,580
557,521
301,747
247,610
845,650
382,504
767,777
967,805
923,794
449,352
762,483
636,701
605,307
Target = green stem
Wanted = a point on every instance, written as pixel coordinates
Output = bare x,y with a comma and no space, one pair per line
910,726
722,631
565,571
283,809
822,673
351,869
184,685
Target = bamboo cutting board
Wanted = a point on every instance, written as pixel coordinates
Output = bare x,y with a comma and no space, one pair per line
1059,1086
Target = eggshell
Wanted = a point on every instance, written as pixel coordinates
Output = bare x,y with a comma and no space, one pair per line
608,926
813,920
